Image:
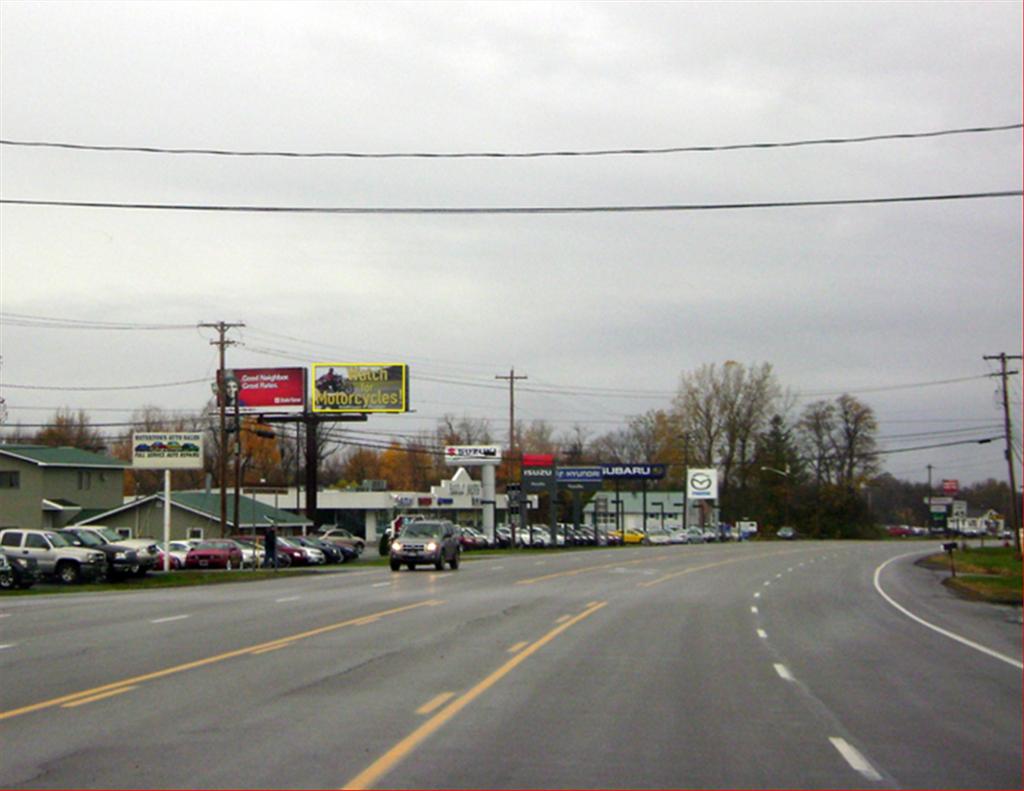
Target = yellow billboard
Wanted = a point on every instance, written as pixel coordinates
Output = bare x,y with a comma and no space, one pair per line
340,388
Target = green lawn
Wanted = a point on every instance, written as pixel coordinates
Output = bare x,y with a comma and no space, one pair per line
991,574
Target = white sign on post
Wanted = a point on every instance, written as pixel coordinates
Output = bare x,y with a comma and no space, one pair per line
702,484
175,450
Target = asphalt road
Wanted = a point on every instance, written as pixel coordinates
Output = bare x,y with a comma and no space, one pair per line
761,665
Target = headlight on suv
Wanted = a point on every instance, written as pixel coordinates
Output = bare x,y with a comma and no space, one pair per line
120,556
97,557
432,546
396,545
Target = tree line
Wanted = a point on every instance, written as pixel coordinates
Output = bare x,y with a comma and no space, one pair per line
816,468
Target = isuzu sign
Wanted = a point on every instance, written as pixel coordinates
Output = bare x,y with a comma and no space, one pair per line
472,455
633,471
702,484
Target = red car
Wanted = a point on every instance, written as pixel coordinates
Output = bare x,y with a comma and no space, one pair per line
222,554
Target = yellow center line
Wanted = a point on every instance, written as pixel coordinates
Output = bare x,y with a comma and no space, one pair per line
518,646
692,569
392,757
435,703
601,567
252,649
563,618
268,649
94,698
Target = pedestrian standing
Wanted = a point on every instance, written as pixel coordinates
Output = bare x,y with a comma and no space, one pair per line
270,548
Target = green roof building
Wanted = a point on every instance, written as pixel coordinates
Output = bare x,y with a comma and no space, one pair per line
50,487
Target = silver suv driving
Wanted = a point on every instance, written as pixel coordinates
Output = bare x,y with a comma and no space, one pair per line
426,541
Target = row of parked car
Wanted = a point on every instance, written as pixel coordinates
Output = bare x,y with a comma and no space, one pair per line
81,554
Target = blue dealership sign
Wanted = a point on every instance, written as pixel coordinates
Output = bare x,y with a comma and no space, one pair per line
633,472
579,477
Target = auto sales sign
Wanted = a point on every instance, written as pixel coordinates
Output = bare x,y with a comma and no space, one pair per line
178,450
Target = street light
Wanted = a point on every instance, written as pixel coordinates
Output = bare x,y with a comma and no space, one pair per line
785,498
661,505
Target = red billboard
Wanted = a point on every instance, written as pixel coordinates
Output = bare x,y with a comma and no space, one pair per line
263,390
950,486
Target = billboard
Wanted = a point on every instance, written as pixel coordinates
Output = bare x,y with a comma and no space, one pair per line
340,388
260,390
177,450
702,484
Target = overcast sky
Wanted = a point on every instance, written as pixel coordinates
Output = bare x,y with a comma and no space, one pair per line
861,299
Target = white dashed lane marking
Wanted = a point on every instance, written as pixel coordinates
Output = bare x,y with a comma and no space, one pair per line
855,759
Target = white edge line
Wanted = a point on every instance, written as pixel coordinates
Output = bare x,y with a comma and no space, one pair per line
762,634
6,645
171,618
287,598
854,758
381,584
944,632
783,672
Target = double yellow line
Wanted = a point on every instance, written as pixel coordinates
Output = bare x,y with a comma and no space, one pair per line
375,771
128,684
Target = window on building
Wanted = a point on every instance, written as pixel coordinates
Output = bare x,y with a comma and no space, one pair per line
195,532
84,479
124,532
10,479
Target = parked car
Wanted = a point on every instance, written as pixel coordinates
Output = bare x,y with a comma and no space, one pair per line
54,554
433,542
333,553
694,535
252,550
300,555
339,535
122,561
145,548
470,538
18,572
658,537
215,554
786,533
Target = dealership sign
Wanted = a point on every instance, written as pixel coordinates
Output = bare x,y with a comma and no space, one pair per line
702,484
633,471
340,388
179,450
472,455
579,477
260,390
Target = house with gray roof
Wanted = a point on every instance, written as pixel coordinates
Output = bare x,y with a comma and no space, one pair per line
51,487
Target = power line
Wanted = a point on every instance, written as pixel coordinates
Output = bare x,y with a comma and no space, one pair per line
106,388
515,154
50,322
508,210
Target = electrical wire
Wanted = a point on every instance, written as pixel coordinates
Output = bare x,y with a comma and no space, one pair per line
519,154
509,210
50,322
107,388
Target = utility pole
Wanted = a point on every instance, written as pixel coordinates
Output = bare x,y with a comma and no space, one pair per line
512,379
1003,357
222,343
